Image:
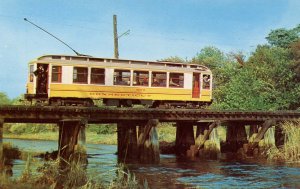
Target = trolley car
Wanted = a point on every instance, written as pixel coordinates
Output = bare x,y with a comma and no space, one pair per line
63,80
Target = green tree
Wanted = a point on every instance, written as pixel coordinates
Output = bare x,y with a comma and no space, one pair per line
222,66
295,50
266,82
18,100
211,57
4,100
173,59
283,37
244,92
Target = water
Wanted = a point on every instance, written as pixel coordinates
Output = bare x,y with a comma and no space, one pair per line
173,172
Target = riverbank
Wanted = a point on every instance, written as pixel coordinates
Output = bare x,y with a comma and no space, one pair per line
95,134
91,137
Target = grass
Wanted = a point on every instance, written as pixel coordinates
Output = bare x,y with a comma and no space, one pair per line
94,138
33,136
290,151
166,132
269,139
49,176
95,134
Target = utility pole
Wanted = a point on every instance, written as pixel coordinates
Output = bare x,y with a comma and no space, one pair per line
116,45
116,37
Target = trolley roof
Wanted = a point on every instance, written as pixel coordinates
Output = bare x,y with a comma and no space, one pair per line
95,60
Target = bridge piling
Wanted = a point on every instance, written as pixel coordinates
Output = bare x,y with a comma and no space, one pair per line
82,137
202,138
69,153
127,141
148,144
68,139
184,137
201,127
265,126
279,136
236,137
253,130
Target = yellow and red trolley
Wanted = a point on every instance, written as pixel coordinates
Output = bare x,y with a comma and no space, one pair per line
78,80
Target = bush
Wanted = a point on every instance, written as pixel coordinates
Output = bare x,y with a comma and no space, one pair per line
290,151
17,128
102,128
21,128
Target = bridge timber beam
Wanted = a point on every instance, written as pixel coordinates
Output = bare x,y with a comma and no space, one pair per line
49,114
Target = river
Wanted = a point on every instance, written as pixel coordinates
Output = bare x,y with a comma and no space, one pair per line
173,172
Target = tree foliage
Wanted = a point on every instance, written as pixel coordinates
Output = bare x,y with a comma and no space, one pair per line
295,50
4,100
173,59
211,57
266,82
283,37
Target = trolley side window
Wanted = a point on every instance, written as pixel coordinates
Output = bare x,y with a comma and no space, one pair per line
122,77
140,78
176,80
31,67
206,81
159,79
97,75
80,75
56,74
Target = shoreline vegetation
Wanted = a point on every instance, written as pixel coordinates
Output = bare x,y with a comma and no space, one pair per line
48,175
95,134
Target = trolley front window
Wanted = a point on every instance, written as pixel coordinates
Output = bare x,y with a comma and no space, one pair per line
31,73
206,81
56,74
80,75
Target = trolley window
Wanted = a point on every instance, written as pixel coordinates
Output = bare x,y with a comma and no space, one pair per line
80,75
206,81
176,80
159,79
140,78
31,73
122,77
97,76
56,74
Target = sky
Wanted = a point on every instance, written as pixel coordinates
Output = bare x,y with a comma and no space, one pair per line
158,29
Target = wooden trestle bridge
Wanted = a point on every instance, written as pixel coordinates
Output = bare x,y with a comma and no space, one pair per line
132,142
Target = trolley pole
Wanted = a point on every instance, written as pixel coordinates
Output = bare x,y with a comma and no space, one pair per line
116,45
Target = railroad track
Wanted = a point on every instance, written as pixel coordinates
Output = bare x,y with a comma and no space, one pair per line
51,114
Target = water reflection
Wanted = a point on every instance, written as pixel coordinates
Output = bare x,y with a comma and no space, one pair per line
173,172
